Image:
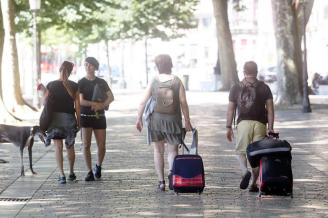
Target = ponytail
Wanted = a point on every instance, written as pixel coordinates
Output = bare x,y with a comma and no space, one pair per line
65,71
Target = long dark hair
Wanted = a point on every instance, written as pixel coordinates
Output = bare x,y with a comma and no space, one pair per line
65,71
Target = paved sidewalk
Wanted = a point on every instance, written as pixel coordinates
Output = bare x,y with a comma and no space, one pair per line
129,180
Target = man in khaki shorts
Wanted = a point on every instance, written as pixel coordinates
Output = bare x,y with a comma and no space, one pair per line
253,100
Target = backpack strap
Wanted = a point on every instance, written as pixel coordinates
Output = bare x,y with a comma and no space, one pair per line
241,85
250,84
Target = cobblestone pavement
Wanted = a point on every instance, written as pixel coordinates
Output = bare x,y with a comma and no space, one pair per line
129,180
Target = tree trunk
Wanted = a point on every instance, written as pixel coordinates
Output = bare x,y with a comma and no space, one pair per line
287,40
5,115
9,24
299,17
226,57
2,38
108,65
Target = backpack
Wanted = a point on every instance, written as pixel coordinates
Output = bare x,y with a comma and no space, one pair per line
165,102
246,97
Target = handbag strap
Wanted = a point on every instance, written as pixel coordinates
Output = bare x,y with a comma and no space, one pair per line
184,146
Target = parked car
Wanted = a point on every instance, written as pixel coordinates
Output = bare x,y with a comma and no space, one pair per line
268,75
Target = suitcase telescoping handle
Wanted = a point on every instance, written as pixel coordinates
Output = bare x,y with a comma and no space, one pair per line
194,145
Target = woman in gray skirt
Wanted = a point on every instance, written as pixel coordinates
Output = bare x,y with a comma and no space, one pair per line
164,100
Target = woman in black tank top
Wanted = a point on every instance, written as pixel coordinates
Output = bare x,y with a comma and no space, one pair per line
65,118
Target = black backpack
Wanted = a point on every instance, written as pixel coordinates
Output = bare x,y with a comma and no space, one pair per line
247,97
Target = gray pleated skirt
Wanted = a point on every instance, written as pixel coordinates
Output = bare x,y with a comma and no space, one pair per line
166,127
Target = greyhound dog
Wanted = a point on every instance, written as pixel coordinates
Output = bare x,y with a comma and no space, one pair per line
21,136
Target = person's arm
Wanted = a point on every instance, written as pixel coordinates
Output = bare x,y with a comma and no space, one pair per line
141,109
45,97
110,99
84,102
270,109
94,105
77,108
230,115
184,107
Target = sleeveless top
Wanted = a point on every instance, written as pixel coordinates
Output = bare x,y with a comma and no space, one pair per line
167,123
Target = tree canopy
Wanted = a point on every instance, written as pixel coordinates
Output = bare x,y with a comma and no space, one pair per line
84,21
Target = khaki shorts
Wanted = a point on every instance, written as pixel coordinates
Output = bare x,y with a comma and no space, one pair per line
248,131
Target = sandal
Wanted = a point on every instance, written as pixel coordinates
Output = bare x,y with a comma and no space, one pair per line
161,186
170,177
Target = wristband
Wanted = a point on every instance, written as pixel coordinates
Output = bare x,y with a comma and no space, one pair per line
228,127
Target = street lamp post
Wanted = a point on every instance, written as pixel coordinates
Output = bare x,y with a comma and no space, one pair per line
306,108
35,7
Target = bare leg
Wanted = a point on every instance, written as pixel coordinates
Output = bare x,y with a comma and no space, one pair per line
246,174
243,163
255,175
100,135
71,158
172,151
86,137
159,159
59,155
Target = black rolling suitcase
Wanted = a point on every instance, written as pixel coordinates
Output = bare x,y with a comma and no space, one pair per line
273,157
276,177
188,170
